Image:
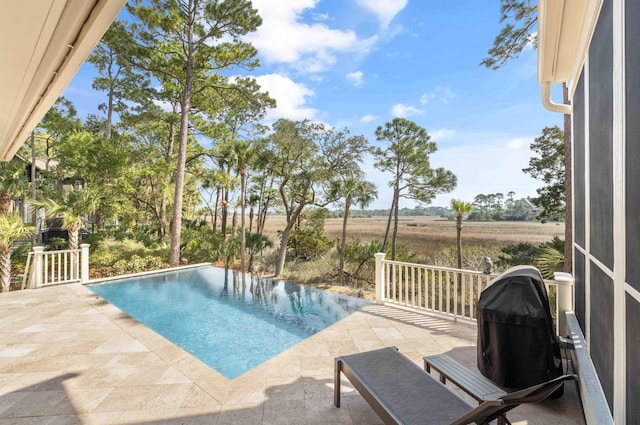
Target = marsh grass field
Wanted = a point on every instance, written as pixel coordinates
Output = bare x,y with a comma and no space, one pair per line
427,236
431,239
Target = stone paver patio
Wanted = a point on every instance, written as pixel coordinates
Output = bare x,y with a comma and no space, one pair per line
68,357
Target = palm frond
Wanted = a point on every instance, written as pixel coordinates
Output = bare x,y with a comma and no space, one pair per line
549,260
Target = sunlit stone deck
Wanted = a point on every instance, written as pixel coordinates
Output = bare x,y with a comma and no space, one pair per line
68,357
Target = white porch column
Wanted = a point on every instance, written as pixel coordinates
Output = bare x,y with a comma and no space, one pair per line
35,281
380,284
84,263
564,300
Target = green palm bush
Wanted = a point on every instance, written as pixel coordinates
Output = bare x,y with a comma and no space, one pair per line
11,229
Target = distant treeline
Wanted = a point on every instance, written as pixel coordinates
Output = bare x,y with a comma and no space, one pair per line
490,207
404,212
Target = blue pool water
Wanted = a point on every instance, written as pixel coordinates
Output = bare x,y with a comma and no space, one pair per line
230,323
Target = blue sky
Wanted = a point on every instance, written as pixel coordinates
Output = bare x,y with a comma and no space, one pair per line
360,63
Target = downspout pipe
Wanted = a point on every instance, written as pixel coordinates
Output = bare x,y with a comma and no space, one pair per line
549,104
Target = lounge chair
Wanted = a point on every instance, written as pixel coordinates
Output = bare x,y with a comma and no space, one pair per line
400,392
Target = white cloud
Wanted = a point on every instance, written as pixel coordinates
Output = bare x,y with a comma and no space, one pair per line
291,97
369,118
441,133
487,165
439,94
164,105
402,110
518,144
385,10
320,16
307,47
532,39
355,78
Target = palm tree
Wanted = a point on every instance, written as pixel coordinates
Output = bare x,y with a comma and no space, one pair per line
243,154
549,261
11,229
353,190
462,209
73,207
13,183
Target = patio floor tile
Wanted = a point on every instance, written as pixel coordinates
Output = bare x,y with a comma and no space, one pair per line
68,357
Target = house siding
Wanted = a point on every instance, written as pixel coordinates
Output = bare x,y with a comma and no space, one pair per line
579,164
601,341
606,155
632,166
600,128
633,360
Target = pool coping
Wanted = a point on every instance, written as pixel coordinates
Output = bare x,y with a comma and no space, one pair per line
147,273
113,312
186,363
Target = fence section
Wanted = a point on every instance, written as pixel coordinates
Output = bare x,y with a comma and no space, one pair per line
56,267
448,292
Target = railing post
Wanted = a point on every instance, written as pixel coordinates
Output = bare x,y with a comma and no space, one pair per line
84,263
379,277
37,272
564,300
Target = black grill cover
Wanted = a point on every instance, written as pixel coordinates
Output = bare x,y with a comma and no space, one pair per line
517,346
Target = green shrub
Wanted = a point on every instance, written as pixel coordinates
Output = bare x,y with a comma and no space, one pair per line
137,264
56,243
108,251
307,244
360,261
201,244
549,260
308,241
516,255
548,256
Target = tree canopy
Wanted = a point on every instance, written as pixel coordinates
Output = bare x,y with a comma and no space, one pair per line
406,158
548,166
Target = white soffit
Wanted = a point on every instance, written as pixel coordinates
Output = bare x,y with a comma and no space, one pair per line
565,28
43,43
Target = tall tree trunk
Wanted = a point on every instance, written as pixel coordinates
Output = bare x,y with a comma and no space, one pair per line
224,215
282,250
215,209
234,219
73,237
5,203
396,198
5,268
107,132
164,202
100,219
176,222
343,241
292,218
386,232
243,241
568,218
459,241
34,210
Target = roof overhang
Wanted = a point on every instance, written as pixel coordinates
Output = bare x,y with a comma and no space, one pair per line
565,28
43,43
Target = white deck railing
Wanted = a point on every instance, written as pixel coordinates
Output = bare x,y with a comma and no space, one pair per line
55,267
447,292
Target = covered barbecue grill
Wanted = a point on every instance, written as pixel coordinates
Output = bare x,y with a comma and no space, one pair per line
517,346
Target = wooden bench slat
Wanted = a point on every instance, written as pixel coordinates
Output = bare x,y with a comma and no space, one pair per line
474,384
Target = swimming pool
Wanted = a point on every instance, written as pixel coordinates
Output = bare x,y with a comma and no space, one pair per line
231,322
